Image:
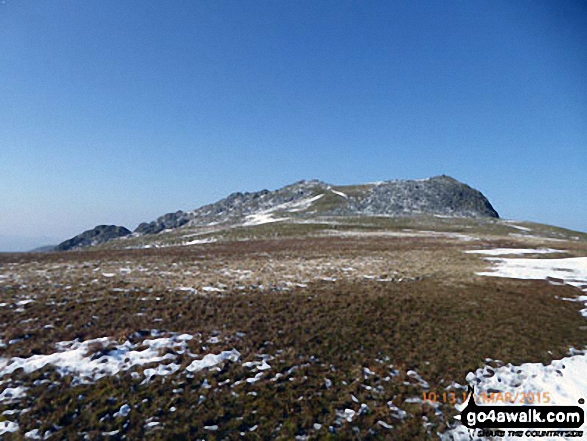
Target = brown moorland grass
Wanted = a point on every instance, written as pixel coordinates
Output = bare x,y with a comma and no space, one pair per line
439,320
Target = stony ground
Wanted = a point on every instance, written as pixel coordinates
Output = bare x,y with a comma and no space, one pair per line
332,335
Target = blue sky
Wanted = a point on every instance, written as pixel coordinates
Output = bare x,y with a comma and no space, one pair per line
117,112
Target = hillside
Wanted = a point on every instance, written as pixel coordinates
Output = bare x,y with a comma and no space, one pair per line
309,312
307,200
440,195
324,327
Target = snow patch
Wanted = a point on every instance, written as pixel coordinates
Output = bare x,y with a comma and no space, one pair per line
91,360
506,251
211,360
73,358
564,379
572,270
301,205
261,218
8,427
339,193
200,241
12,393
518,227
123,411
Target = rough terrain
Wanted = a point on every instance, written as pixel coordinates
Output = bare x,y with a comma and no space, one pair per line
330,329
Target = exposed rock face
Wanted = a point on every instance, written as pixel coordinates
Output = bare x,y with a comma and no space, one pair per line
168,221
96,236
438,195
238,206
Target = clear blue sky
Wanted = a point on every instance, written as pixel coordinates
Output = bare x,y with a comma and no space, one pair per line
116,112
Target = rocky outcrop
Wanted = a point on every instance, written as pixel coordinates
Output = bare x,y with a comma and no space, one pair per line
238,206
441,195
166,222
96,236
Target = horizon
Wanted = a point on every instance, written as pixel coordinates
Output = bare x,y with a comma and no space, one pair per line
45,242
117,113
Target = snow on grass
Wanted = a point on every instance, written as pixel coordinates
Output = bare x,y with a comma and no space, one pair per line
540,238
301,205
74,359
355,233
123,411
347,414
161,370
200,241
211,360
12,393
8,427
266,216
506,251
91,360
35,434
384,424
518,227
261,218
403,233
339,193
572,270
423,383
564,380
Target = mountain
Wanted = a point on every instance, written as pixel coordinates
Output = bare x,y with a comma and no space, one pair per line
440,195
95,236
306,200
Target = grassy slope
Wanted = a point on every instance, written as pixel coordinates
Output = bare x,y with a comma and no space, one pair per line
431,315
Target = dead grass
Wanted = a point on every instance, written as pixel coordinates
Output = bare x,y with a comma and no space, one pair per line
431,314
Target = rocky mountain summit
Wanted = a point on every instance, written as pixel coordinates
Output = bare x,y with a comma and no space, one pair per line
439,195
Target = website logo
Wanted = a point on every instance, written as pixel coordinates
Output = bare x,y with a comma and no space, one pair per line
474,416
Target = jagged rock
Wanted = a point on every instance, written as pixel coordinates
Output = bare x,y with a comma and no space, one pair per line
441,195
168,221
96,236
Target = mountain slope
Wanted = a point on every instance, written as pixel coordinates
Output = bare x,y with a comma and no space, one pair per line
438,195
307,200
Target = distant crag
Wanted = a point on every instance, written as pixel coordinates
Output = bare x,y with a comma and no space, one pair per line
95,236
